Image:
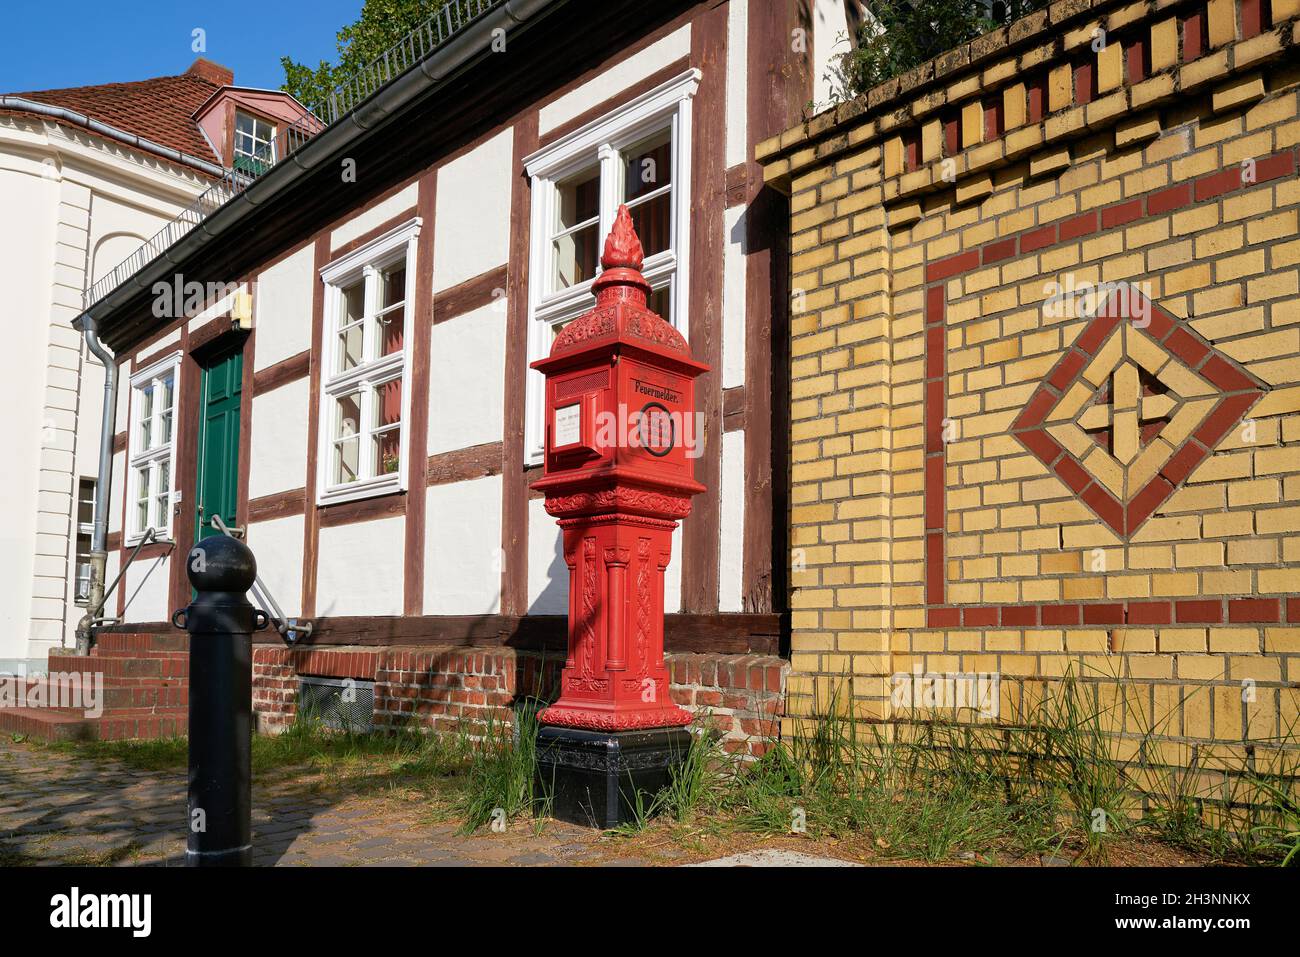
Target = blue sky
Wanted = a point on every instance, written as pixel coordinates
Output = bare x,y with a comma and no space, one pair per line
45,44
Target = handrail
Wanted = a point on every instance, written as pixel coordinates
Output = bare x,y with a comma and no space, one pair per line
170,547
150,535
291,629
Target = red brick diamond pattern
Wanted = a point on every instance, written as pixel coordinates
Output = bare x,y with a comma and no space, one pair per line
1132,407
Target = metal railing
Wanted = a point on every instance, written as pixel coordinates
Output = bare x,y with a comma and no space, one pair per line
292,630
150,535
450,19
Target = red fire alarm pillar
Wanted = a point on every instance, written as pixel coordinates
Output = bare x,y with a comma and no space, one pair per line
621,441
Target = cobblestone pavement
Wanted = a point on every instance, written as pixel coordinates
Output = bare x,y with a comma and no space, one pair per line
61,808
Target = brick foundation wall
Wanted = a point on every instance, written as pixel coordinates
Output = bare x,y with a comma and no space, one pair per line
989,477
450,688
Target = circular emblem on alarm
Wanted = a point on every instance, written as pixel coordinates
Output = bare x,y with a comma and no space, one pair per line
657,431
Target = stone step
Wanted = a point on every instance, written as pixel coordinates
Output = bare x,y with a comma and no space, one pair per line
56,724
98,652
142,642
113,697
128,670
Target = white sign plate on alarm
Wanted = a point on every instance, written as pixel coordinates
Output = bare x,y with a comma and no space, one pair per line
568,425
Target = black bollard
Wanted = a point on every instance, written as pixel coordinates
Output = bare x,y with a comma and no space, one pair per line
220,622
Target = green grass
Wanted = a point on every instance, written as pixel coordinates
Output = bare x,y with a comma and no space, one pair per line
307,743
929,795
1279,787
162,754
502,777
1049,781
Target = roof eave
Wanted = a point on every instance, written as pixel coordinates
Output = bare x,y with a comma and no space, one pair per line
61,114
354,126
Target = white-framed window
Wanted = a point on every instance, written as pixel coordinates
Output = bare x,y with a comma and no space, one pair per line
638,155
85,529
253,138
369,303
151,478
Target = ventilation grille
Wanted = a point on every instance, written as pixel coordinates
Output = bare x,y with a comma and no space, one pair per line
583,383
343,704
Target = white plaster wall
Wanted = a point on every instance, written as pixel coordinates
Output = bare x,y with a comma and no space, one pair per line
376,216
151,576
73,207
119,486
283,308
673,575
360,568
472,220
277,545
126,212
26,274
89,415
123,397
733,298
619,76
731,545
462,548
55,415
278,444
172,339
110,250
548,575
737,148
830,37
467,380
113,563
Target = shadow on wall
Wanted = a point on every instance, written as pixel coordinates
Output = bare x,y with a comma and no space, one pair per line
553,599
112,249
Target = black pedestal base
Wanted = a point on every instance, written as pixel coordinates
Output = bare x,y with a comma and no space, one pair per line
593,776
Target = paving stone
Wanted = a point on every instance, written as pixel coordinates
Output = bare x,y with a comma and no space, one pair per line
775,858
60,808
536,859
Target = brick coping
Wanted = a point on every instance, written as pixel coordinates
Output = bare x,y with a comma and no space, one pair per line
896,115
1032,27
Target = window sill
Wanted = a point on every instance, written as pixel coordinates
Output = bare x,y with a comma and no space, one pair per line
373,488
160,538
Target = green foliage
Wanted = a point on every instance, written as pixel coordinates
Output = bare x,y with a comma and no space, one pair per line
899,35
502,771
382,23
1283,837
934,793
1279,786
696,785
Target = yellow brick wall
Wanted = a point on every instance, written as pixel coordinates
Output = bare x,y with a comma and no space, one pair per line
1151,152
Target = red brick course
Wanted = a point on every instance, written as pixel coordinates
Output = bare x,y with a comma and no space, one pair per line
454,688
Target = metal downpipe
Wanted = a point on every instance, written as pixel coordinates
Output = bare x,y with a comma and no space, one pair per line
99,533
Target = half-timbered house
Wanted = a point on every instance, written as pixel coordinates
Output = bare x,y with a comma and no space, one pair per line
350,384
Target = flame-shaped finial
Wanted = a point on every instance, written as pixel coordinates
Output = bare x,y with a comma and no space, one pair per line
622,245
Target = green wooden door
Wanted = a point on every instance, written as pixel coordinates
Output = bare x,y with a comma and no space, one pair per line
218,478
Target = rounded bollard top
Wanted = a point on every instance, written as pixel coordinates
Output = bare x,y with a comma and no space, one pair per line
221,563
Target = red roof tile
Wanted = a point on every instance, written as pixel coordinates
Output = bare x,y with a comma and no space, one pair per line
160,109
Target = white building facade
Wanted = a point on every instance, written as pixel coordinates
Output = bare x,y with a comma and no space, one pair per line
87,176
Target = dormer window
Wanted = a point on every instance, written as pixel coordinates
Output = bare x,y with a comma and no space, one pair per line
254,150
